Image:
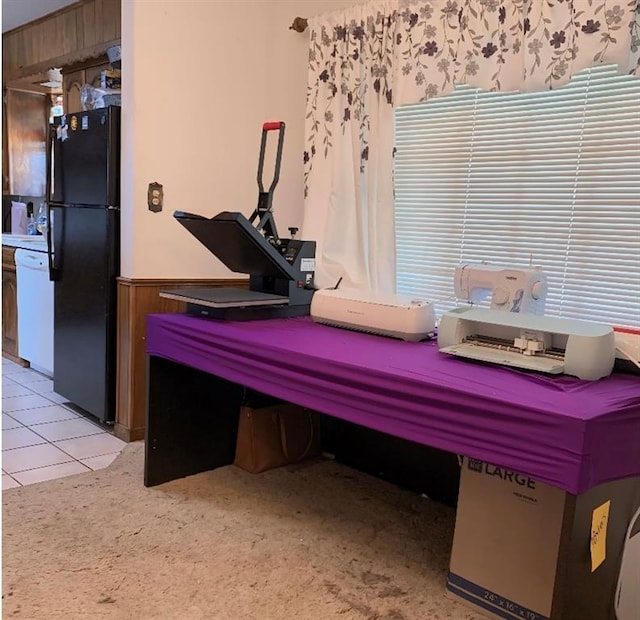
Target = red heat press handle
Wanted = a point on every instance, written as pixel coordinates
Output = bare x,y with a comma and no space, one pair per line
271,126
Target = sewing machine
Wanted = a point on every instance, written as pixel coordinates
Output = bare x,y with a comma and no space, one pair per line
512,289
546,344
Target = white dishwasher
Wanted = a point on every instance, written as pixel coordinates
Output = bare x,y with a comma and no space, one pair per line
35,309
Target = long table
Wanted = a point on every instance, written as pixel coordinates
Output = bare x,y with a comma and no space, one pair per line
559,430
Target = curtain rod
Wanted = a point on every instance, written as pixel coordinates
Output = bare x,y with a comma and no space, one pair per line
299,24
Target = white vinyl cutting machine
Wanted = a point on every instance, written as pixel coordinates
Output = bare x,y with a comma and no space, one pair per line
397,316
548,344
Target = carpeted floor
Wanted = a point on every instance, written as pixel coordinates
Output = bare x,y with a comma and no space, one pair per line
312,542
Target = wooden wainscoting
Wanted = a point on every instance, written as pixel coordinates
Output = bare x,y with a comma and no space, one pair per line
136,299
10,307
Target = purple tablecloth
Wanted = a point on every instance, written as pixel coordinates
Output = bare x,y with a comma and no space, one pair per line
563,431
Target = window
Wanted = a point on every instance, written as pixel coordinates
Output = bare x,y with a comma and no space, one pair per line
549,178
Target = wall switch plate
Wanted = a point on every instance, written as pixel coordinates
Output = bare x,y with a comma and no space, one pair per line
155,197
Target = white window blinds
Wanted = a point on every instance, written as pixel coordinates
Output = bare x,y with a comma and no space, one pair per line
550,177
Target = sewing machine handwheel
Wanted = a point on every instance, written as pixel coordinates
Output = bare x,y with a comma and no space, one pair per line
537,290
500,296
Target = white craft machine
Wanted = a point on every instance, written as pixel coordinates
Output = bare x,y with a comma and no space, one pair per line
628,594
388,315
547,344
513,289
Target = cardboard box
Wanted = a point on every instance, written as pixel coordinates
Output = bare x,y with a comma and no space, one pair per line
524,549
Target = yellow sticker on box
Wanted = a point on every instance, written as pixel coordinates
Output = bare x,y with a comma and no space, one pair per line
599,523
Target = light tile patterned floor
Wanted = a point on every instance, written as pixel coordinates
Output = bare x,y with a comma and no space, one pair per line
42,438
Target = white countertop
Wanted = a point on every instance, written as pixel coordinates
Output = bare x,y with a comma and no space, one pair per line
37,243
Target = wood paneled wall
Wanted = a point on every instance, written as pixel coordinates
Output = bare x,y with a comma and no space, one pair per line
26,126
77,32
137,299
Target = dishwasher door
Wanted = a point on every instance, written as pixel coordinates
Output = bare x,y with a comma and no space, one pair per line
35,310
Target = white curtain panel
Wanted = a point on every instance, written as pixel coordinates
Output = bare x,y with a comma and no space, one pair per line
367,59
349,147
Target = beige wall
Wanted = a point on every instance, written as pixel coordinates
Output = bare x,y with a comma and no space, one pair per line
199,79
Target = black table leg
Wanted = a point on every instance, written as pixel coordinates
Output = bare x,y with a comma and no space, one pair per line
192,421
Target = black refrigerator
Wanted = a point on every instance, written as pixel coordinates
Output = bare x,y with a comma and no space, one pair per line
83,239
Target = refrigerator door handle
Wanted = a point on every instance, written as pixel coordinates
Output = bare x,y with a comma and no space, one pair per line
55,169
54,270
49,161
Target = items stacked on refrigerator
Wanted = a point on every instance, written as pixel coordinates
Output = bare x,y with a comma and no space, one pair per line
108,93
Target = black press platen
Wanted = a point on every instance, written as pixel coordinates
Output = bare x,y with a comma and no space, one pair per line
230,237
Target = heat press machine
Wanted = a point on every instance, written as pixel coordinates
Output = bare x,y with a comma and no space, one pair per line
281,271
512,289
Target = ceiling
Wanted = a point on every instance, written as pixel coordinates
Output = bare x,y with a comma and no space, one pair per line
18,12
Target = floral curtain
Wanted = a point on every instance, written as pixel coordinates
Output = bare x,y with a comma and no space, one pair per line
505,45
367,59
